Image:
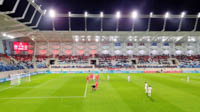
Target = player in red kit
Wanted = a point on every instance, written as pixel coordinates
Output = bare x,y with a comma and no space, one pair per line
97,84
91,76
88,78
97,77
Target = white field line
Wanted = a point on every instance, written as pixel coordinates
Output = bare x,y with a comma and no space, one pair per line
85,93
42,97
24,87
15,87
6,88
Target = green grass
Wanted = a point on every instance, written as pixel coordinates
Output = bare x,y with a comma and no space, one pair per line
65,92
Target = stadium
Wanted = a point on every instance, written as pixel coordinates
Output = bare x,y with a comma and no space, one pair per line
99,61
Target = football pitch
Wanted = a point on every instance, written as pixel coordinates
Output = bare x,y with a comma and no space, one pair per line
72,93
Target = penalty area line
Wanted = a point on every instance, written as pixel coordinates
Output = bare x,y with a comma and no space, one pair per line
53,97
85,93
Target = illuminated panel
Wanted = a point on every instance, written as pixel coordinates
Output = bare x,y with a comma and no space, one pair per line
43,52
30,52
68,52
93,52
55,52
20,46
81,52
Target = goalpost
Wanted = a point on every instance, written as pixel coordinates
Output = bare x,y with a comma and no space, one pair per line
15,79
18,78
27,77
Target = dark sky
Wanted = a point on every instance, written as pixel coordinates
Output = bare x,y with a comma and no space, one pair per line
110,7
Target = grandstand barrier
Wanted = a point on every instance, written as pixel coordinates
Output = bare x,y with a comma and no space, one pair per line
4,76
150,71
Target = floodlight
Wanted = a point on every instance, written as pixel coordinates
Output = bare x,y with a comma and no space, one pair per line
167,15
10,36
101,14
96,40
33,1
52,13
88,37
182,14
86,14
32,39
134,14
45,11
198,15
151,14
4,34
69,14
76,39
118,15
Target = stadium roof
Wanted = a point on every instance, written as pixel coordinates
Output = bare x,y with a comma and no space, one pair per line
12,27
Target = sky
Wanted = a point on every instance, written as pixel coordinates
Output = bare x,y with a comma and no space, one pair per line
110,7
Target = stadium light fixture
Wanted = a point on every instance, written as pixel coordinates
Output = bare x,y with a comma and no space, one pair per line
151,14
52,13
183,14
76,39
101,14
89,38
86,14
45,11
10,36
96,39
134,14
118,15
33,1
69,14
198,15
4,34
167,15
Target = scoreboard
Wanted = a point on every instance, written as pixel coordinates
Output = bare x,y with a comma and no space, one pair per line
20,46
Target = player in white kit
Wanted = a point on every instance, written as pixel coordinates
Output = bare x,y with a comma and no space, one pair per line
129,78
149,91
108,77
93,77
188,79
146,87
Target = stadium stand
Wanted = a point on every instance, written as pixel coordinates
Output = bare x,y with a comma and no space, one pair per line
104,61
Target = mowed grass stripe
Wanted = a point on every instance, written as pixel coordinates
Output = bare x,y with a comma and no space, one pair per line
14,91
172,93
105,99
178,84
74,86
139,100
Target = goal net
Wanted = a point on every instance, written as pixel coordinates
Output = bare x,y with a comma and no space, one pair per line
15,79
27,77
